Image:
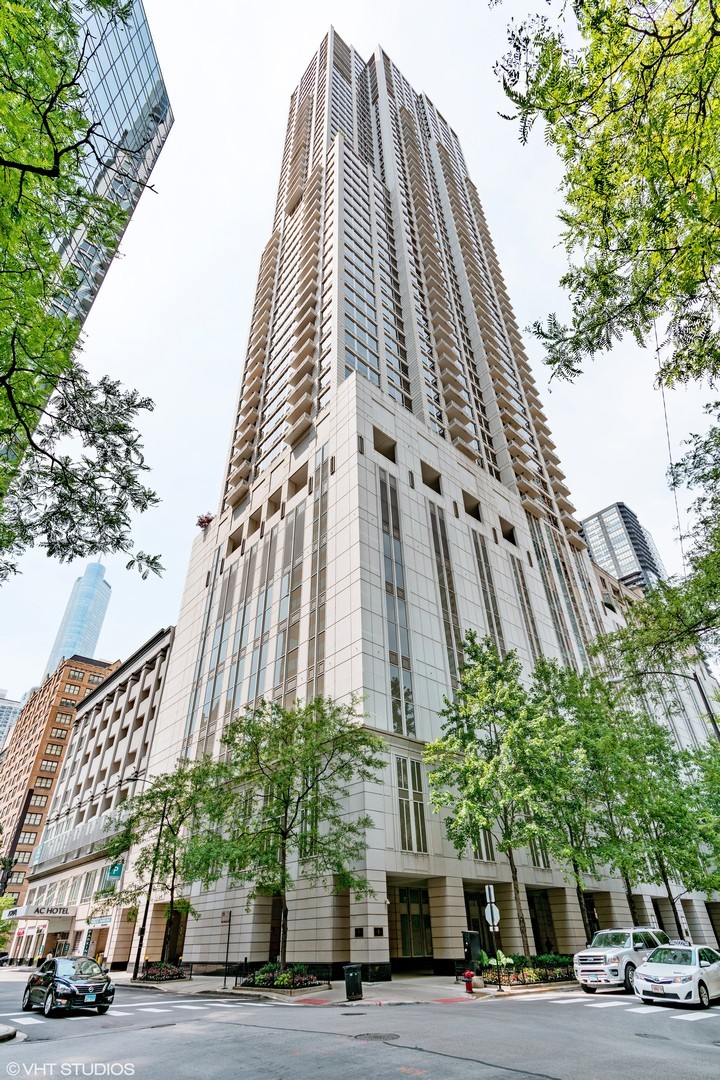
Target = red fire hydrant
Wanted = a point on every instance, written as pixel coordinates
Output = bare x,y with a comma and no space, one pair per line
468,976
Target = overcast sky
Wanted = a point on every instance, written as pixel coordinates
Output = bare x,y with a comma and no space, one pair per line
172,316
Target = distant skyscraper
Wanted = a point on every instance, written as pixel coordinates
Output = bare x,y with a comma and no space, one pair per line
9,712
619,543
82,622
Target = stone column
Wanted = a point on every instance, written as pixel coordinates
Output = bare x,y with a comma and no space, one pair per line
509,922
448,920
612,909
567,920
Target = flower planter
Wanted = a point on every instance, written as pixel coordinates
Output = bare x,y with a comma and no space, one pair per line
294,992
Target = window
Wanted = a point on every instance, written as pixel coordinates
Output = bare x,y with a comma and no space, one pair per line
412,809
35,819
43,781
37,800
89,885
76,675
74,890
58,733
17,877
53,748
23,856
68,702
27,838
95,680
48,766
70,688
484,849
539,853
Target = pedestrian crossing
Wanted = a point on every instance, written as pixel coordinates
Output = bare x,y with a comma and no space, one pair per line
686,1014
138,1009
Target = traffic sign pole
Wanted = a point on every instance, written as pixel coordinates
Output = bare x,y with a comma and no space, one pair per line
492,916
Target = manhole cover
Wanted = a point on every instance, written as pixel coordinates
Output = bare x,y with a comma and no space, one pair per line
643,1035
376,1036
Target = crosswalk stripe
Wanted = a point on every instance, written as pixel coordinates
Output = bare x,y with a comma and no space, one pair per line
26,1020
201,1008
643,1009
603,1004
154,1010
698,1016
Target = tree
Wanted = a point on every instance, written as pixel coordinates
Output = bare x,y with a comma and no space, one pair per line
7,928
153,832
628,94
562,774
681,617
53,157
276,808
480,765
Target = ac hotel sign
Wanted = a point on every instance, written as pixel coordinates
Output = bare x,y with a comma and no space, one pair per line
29,911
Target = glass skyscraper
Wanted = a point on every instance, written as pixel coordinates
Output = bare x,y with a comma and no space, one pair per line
125,97
622,546
82,622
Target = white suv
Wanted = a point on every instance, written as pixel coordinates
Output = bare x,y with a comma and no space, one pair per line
613,955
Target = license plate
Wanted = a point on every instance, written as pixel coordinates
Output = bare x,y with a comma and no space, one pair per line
658,989
592,978
90,997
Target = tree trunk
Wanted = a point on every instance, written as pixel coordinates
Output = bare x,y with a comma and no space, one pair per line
666,882
630,900
283,899
518,903
581,902
169,913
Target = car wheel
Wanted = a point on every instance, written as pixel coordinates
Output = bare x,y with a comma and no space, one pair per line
703,996
102,1009
630,978
26,1001
588,989
49,1004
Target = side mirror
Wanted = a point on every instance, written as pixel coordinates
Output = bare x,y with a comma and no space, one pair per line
638,946
704,963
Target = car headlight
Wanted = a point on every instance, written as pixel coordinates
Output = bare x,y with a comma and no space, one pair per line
110,986
682,979
613,960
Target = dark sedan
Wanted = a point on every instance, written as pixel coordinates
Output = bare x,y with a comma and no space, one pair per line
69,983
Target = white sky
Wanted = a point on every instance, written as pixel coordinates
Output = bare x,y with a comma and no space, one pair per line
172,316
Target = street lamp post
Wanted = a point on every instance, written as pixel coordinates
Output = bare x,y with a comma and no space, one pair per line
151,886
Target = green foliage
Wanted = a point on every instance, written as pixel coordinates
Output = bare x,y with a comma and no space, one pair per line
480,765
632,111
275,805
7,926
155,829
680,617
71,505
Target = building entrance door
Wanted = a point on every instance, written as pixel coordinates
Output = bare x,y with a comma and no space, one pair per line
542,921
475,903
415,929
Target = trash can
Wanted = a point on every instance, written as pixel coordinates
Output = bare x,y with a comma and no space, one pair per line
353,982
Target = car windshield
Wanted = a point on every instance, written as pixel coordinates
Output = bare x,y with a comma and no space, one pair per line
82,966
676,957
611,939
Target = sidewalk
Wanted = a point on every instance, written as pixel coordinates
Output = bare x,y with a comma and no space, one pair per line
402,990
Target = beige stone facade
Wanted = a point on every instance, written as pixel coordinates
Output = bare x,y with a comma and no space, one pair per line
106,762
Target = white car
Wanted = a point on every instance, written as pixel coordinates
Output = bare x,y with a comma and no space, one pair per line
676,973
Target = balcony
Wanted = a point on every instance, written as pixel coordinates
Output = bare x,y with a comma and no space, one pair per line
298,430
302,406
298,388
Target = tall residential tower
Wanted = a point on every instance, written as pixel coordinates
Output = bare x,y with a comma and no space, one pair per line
391,484
622,546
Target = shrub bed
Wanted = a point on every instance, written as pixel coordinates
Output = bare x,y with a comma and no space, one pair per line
295,977
155,971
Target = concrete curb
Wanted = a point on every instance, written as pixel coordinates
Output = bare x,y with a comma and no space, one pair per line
7,1033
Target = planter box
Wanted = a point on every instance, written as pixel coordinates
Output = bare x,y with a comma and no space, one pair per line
478,982
286,992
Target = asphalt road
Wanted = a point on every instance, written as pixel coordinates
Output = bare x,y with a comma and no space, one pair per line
563,1036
